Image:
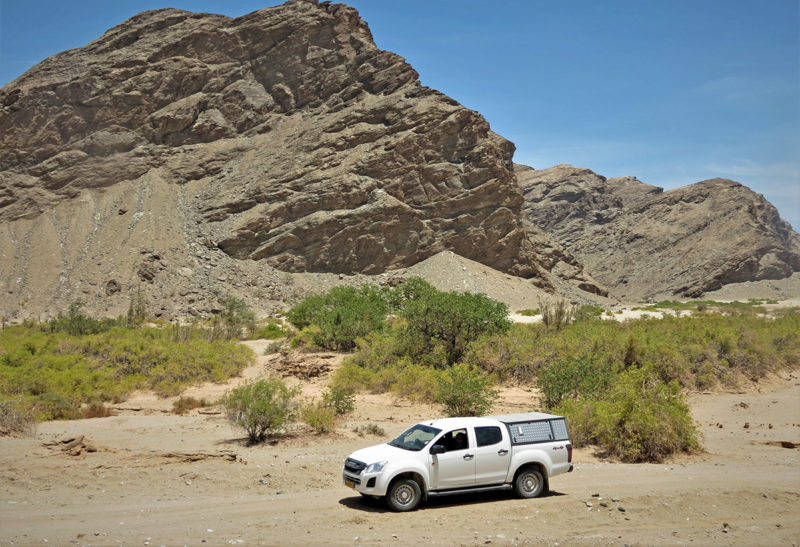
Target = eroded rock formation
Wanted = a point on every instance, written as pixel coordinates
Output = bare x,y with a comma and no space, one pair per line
643,242
284,137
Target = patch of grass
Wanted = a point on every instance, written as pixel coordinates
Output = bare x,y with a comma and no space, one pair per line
55,373
271,331
274,347
557,314
417,383
340,400
699,352
752,306
587,312
369,429
571,378
528,312
16,418
97,410
185,404
319,416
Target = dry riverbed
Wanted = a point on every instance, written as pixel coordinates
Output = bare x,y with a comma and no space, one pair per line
148,477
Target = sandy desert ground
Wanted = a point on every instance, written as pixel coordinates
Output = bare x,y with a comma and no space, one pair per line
154,478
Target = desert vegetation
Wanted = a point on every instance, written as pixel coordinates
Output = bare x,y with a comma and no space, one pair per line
622,385
73,364
261,408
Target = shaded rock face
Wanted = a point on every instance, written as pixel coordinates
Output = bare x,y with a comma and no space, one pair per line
643,242
284,137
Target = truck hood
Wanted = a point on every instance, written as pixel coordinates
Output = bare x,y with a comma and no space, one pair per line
380,452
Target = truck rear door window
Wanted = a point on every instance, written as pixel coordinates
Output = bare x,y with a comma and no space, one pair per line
488,435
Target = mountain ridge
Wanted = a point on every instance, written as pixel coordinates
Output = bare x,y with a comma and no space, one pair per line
185,155
682,242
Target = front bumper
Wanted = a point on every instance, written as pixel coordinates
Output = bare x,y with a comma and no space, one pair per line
369,484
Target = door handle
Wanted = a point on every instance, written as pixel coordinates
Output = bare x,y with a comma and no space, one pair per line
502,452
468,456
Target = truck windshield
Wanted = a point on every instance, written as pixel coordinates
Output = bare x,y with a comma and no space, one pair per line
415,438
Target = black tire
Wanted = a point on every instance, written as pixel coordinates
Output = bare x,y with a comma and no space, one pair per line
404,495
529,483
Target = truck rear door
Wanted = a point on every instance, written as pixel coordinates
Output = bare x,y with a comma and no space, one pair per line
492,454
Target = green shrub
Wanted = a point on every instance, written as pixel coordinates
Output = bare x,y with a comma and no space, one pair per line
413,288
319,415
528,312
77,324
571,378
416,383
306,337
640,419
340,316
352,377
261,408
270,331
440,325
588,312
465,391
378,349
557,314
340,400
697,352
53,406
514,356
238,318
274,347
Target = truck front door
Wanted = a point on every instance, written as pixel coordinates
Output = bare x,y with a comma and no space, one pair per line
456,467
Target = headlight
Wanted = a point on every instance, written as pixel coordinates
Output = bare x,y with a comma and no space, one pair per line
376,467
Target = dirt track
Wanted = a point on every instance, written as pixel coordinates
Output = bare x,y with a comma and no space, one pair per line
160,479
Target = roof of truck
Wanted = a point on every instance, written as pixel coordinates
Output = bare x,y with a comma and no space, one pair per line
446,423
523,417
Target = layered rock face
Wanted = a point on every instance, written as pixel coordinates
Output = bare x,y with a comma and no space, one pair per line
642,242
177,143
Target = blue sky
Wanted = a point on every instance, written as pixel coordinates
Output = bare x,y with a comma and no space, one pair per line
670,91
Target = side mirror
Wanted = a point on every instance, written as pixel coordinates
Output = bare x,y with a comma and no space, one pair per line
438,449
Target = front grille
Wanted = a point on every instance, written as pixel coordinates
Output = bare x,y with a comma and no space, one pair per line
354,466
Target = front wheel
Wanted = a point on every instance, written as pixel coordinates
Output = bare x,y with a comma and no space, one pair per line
529,483
404,495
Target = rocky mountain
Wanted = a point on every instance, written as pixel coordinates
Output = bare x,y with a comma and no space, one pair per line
642,242
185,155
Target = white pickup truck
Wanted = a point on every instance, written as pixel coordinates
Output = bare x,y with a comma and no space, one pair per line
459,455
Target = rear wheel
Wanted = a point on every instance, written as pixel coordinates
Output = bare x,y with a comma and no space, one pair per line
529,483
404,495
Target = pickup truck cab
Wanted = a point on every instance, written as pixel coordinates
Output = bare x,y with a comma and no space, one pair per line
458,455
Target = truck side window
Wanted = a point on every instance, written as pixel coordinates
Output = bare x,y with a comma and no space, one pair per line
455,440
488,435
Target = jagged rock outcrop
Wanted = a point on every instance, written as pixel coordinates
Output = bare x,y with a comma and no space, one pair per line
180,150
642,242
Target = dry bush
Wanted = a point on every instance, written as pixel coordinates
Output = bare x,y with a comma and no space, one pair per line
15,419
185,404
319,415
369,429
558,314
97,410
